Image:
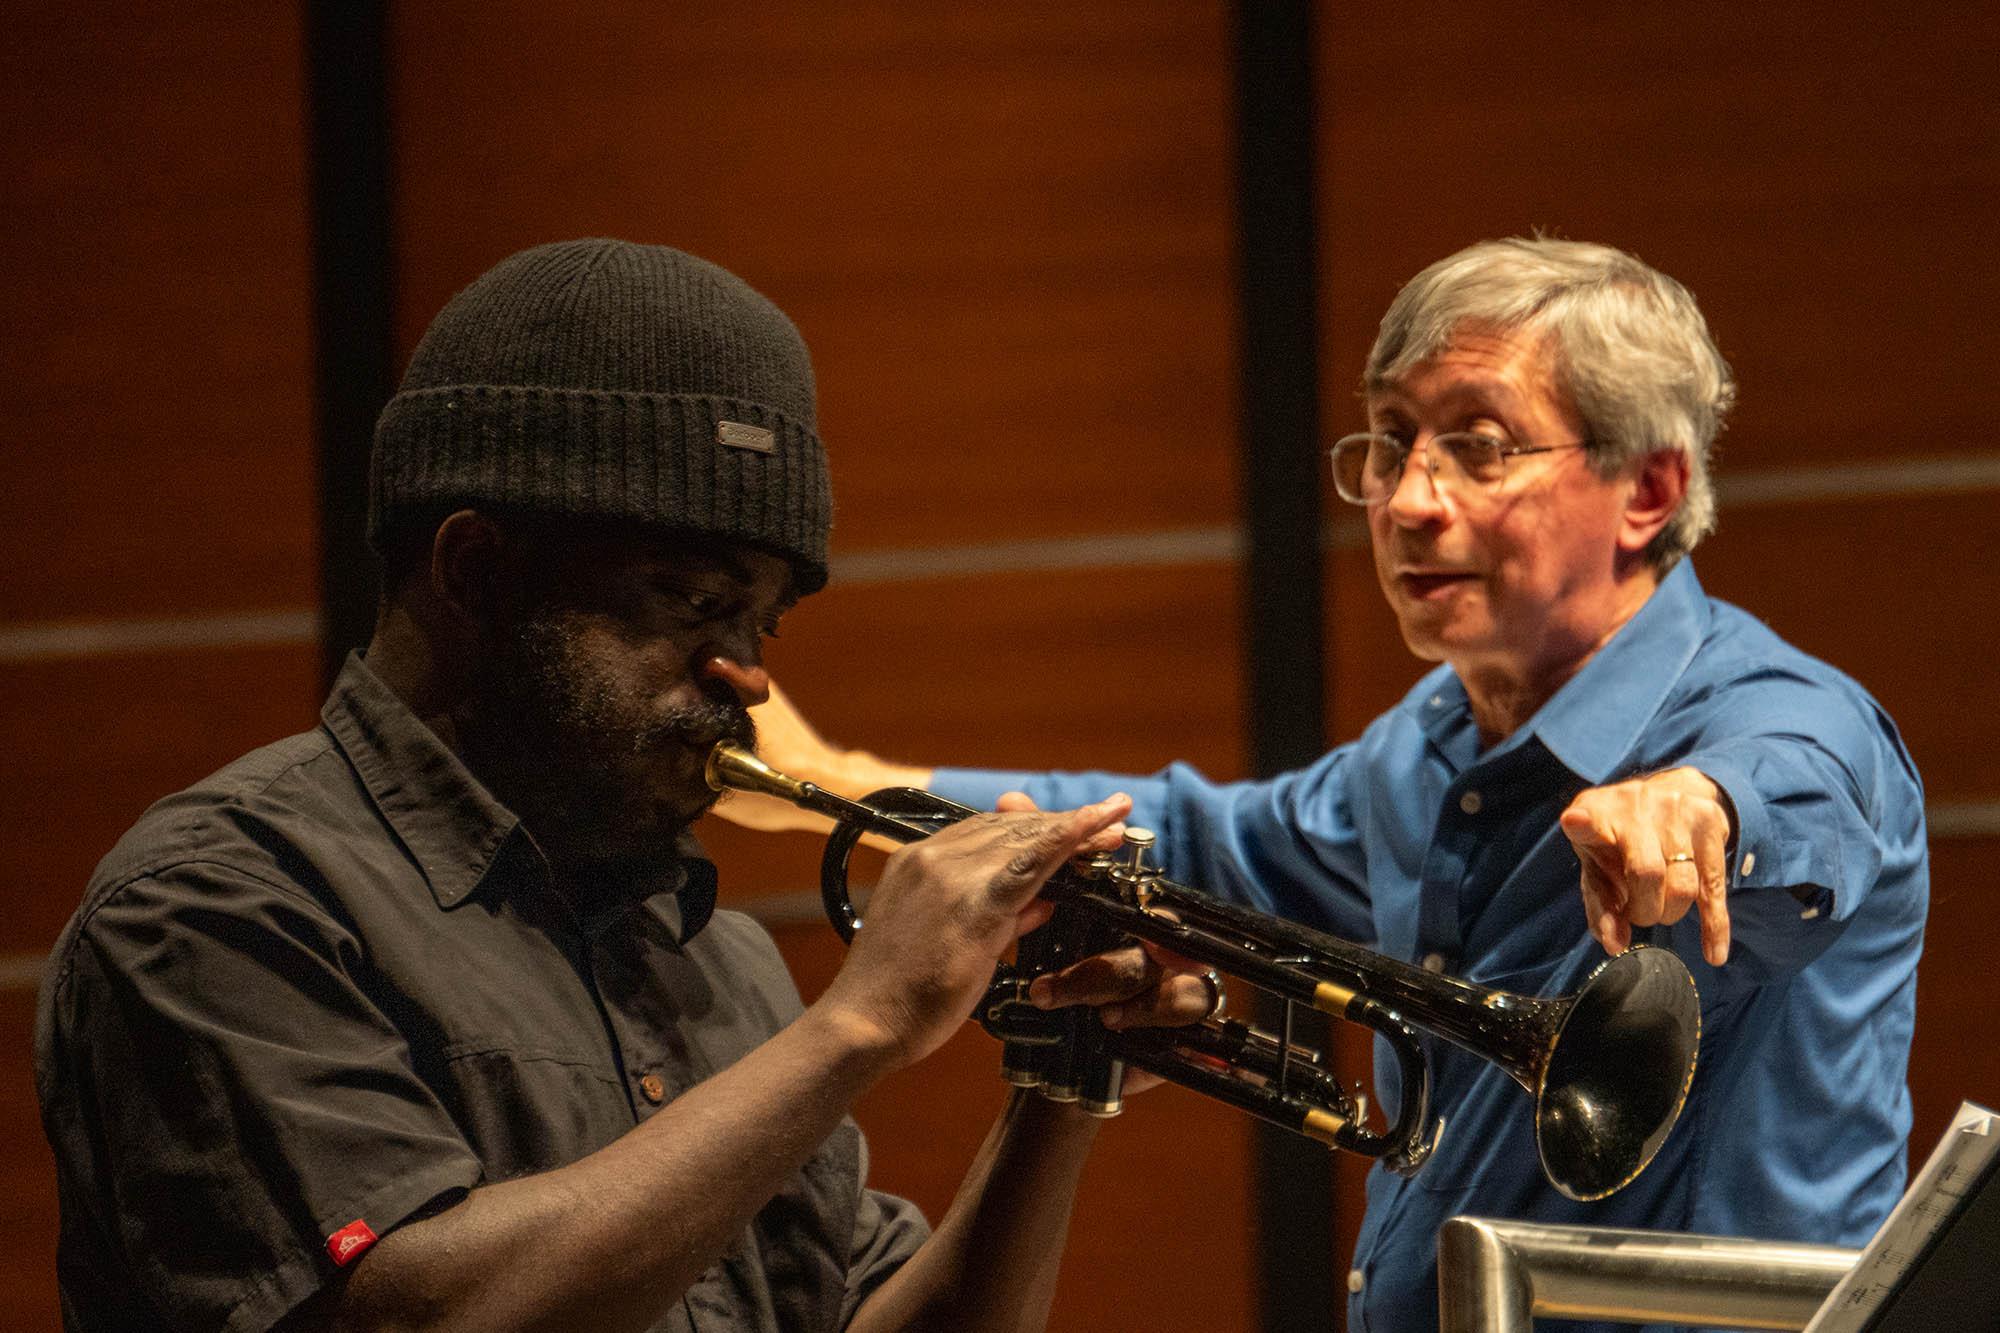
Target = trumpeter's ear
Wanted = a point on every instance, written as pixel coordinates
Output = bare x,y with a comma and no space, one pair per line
468,564
1658,487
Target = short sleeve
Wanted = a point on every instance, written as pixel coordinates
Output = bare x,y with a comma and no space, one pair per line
228,1095
887,1231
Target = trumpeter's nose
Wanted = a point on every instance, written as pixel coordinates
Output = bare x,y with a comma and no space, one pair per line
750,683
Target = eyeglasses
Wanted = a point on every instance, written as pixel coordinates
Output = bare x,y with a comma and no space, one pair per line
1368,467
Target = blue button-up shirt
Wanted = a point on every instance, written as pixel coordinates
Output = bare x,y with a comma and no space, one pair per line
1416,842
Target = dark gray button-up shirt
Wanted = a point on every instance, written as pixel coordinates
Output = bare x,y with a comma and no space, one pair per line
332,987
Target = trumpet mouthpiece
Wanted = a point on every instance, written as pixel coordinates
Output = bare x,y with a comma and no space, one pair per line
730,767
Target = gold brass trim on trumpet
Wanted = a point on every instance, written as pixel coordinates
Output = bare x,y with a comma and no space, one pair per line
1324,1126
1330,998
1609,1067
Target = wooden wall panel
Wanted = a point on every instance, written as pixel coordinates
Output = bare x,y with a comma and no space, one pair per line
1955,1056
1119,668
159,458
27,1181
1003,228
1818,175
158,397
1897,593
107,736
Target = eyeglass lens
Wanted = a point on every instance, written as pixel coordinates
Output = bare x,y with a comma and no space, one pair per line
1367,468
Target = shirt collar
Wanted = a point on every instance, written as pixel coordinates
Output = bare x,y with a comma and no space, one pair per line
1444,713
680,892
451,825
1595,719
456,830
692,902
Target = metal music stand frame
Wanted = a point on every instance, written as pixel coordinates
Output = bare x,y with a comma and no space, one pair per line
1495,1276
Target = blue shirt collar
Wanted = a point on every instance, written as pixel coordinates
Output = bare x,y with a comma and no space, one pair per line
1592,723
1444,713
1596,718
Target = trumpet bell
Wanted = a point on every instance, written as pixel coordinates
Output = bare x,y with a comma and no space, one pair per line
1618,1072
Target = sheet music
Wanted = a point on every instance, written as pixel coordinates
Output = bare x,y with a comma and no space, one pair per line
1955,1166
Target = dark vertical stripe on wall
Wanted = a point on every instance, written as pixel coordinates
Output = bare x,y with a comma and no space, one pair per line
346,61
1281,480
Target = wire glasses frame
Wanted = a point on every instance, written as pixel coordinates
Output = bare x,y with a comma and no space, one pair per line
1368,467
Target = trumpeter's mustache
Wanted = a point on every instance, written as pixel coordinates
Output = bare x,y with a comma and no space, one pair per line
699,726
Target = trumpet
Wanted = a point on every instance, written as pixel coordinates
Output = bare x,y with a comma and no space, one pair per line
1609,1067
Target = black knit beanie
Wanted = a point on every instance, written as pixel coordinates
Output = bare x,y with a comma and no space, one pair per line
603,379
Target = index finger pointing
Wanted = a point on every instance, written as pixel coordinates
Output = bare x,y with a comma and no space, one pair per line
1712,904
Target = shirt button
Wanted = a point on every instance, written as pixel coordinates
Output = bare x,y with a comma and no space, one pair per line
1749,862
1355,1281
656,1091
1433,962
1470,802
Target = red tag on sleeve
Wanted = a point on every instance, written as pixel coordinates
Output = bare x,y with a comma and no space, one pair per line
347,1244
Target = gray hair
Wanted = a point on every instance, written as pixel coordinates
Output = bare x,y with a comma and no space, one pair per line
1631,350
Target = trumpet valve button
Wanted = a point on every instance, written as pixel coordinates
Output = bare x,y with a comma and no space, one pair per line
1138,842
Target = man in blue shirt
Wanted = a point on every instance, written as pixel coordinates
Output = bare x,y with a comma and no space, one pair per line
1599,735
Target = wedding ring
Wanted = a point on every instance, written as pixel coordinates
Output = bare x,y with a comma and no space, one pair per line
1678,857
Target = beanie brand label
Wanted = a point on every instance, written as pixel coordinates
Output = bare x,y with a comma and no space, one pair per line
739,436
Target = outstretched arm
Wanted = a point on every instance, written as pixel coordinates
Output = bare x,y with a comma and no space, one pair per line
1289,846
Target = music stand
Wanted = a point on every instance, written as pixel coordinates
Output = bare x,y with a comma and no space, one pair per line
1931,1265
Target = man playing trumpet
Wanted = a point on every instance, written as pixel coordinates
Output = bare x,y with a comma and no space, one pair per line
425,1017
